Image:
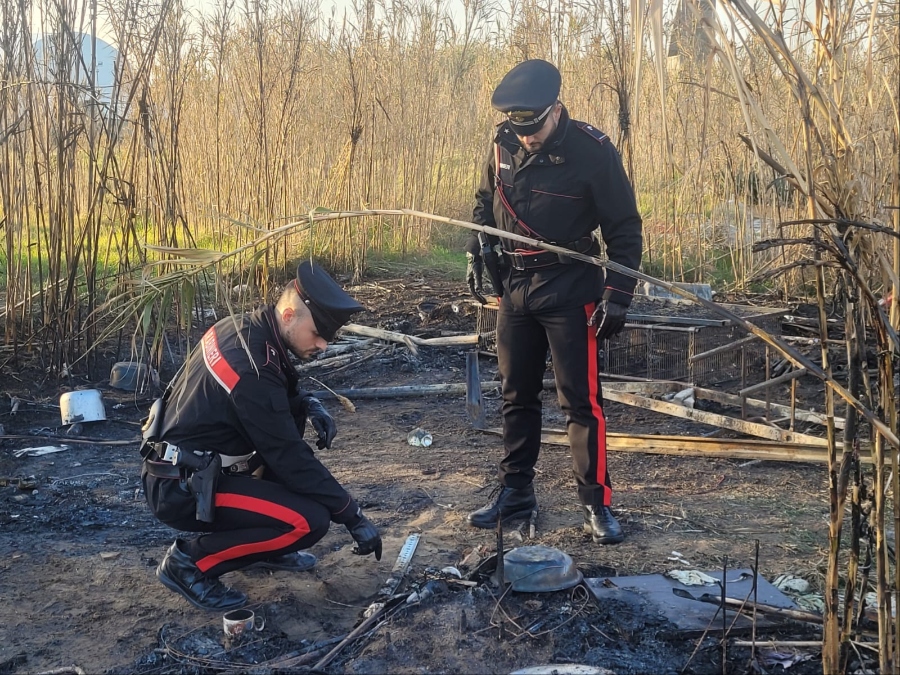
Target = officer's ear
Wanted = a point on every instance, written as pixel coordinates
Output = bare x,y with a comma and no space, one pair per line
287,315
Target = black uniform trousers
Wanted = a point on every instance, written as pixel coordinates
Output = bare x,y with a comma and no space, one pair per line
523,337
255,519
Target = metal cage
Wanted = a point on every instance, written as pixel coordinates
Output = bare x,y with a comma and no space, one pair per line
668,339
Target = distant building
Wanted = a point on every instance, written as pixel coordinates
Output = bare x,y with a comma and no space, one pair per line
57,62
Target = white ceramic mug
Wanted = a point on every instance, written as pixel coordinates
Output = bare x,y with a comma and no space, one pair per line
239,621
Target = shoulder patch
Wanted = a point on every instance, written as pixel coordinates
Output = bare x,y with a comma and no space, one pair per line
215,362
593,132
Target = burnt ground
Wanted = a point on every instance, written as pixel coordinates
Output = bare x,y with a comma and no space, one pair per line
79,550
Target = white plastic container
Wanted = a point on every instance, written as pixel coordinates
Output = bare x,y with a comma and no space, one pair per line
84,405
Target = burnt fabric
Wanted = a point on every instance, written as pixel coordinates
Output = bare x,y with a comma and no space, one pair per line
236,401
560,194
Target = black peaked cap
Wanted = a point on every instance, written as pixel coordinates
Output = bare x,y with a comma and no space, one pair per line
330,305
525,92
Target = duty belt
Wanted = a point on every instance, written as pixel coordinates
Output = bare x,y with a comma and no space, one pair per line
523,260
163,468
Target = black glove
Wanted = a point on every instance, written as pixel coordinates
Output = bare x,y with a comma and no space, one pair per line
322,422
609,317
366,536
475,276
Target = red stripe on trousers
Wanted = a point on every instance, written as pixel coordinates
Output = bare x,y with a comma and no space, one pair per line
233,501
594,390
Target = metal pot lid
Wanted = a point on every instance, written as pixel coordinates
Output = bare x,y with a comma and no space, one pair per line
540,569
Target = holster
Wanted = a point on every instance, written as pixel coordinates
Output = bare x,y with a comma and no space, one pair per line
204,472
491,263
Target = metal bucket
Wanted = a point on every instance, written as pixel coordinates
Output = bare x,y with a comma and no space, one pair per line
84,405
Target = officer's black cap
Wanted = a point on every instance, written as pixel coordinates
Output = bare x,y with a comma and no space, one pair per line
330,305
526,94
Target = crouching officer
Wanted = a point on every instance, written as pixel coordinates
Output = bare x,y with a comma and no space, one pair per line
224,452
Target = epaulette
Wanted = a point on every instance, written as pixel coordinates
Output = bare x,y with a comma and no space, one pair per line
593,132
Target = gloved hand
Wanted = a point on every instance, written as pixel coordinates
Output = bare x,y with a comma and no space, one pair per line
366,536
475,276
322,422
609,317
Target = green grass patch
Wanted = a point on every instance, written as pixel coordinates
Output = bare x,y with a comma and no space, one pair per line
438,262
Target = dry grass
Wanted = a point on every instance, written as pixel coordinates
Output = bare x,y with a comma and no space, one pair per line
203,168
233,121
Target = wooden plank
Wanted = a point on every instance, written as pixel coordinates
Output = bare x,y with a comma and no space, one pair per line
714,419
738,344
717,447
389,335
734,400
701,446
787,377
411,340
406,391
447,340
615,377
655,388
662,328
659,387
682,320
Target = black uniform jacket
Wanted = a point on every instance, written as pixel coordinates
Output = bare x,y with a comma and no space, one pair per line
562,193
234,403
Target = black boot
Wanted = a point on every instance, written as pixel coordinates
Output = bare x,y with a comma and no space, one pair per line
300,561
509,503
178,573
602,525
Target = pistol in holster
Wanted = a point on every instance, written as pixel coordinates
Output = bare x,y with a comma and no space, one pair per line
200,470
203,471
491,263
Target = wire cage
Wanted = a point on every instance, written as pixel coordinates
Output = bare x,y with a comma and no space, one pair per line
669,339
486,327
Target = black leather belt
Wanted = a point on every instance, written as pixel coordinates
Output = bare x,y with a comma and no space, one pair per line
162,469
529,261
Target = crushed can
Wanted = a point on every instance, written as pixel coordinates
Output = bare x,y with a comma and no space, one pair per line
419,438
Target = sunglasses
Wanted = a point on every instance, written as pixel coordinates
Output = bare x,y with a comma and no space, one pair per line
527,117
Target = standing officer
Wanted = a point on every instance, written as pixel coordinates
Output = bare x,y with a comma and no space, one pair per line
224,450
556,180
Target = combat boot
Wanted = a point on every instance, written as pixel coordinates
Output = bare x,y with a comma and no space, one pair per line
299,561
179,573
509,504
602,525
